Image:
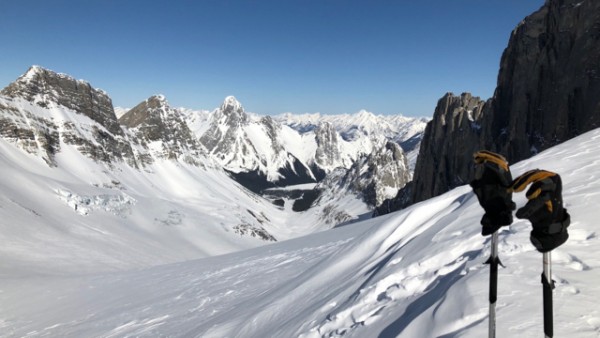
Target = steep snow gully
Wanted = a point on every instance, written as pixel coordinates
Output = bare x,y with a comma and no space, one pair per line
415,273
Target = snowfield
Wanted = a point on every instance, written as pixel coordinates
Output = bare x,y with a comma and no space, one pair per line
415,273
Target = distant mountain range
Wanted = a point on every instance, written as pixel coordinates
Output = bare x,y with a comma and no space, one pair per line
351,163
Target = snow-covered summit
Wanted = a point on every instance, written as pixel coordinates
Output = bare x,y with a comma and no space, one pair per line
231,104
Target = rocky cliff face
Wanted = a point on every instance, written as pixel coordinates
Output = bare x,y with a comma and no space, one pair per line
159,131
448,144
41,86
226,139
328,154
252,148
549,81
376,177
548,91
35,118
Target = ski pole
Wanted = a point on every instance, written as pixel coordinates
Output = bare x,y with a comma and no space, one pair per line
548,285
492,186
549,220
493,261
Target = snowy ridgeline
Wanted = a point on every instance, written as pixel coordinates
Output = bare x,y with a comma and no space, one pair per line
414,273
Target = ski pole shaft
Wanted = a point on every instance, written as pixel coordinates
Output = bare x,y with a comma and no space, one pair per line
493,261
548,285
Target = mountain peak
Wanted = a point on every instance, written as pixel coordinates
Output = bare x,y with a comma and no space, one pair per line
45,87
33,71
40,76
364,116
159,97
149,109
157,100
231,104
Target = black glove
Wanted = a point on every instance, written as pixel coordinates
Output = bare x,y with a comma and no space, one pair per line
492,186
544,209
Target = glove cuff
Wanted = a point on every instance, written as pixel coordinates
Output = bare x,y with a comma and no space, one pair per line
490,223
550,237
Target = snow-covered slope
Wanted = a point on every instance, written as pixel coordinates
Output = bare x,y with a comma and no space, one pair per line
415,273
83,215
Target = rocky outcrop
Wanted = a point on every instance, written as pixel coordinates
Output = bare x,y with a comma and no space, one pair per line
549,80
154,121
376,177
42,86
327,154
548,92
32,133
226,140
26,121
448,144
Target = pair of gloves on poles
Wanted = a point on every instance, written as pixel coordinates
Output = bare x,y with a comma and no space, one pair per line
494,186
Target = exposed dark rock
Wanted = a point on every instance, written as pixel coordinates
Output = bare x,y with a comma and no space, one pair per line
155,121
400,201
331,215
246,229
224,141
548,91
306,201
102,139
32,134
412,143
41,86
549,81
373,176
328,153
448,144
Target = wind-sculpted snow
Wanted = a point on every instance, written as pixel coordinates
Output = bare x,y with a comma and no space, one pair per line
415,273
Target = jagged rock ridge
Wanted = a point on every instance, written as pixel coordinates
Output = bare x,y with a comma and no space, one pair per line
154,122
379,175
41,86
29,121
548,91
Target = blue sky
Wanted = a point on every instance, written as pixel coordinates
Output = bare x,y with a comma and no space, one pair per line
328,56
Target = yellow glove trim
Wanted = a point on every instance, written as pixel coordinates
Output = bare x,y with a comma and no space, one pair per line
549,206
483,156
531,176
